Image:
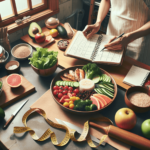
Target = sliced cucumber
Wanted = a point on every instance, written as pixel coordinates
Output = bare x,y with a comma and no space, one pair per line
57,83
72,84
76,84
61,83
106,87
64,83
107,93
96,79
67,83
98,91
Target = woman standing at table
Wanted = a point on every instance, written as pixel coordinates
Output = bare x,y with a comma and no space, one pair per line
131,17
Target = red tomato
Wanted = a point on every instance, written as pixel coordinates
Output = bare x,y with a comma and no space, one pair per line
76,91
69,91
65,92
60,90
55,92
65,87
70,88
61,87
73,94
59,95
55,87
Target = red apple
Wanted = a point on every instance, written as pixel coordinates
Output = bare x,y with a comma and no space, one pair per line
40,37
125,118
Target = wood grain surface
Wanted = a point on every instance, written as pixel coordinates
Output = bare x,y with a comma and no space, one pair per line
117,72
10,95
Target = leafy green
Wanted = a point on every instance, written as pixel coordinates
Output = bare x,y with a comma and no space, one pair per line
91,70
43,59
0,84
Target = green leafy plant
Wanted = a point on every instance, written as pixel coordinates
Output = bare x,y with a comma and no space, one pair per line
91,70
43,59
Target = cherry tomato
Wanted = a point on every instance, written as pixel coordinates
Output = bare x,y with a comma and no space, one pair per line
70,102
55,87
55,92
65,92
70,88
65,87
71,106
73,94
59,95
69,91
76,91
60,90
66,104
61,87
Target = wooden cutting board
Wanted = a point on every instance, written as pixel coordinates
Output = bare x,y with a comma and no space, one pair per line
10,95
53,110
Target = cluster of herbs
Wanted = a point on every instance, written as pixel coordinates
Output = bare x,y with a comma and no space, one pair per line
43,59
91,70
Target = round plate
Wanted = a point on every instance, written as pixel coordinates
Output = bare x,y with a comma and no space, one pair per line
57,77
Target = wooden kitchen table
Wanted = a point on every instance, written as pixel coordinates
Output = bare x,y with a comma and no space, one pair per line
117,72
36,122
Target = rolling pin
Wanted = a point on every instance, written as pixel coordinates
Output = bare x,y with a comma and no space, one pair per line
124,136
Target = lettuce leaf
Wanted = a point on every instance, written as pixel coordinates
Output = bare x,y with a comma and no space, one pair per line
43,59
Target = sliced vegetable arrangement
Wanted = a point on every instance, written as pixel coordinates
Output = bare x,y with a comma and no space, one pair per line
85,89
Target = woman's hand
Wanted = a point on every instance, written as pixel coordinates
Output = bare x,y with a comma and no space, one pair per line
90,30
118,44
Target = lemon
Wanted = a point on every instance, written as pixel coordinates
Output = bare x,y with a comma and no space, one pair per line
2,114
53,32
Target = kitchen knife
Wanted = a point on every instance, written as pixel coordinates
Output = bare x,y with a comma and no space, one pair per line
78,129
14,114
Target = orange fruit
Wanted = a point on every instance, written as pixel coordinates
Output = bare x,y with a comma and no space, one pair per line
53,32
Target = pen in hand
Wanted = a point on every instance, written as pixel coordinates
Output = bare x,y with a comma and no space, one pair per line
114,39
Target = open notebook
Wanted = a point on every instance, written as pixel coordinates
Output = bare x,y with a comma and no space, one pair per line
136,76
90,49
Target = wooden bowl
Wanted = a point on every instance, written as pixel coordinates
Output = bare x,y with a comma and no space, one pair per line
10,63
132,106
45,72
57,77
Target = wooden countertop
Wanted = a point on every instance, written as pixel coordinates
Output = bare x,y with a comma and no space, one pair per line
117,72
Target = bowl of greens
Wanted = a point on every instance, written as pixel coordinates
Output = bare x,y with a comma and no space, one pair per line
1,85
44,62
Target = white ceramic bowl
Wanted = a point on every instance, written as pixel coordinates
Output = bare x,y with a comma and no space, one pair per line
18,45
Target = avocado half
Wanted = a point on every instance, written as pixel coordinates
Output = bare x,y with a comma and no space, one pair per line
33,29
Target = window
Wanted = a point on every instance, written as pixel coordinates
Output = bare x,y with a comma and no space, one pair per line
11,10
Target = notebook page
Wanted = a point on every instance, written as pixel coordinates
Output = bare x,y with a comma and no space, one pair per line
106,55
136,76
82,47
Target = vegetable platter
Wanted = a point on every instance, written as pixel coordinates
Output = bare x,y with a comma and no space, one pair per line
83,89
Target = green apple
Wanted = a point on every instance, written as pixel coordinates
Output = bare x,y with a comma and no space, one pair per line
145,127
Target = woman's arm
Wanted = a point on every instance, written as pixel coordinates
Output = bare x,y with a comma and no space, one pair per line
129,37
102,12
